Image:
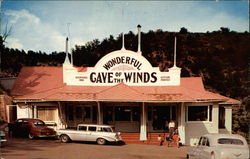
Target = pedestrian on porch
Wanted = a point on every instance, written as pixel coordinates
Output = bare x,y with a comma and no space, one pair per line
171,127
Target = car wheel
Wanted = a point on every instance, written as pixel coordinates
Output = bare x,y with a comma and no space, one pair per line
64,138
187,156
31,136
101,141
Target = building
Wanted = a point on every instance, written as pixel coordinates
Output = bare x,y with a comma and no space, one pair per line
122,89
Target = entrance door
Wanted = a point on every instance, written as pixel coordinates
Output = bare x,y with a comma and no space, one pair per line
87,114
221,117
161,114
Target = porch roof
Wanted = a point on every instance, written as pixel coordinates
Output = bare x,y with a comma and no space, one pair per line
46,84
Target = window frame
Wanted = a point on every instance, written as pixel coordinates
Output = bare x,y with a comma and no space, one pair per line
209,113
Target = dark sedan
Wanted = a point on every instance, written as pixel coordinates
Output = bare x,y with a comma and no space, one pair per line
27,127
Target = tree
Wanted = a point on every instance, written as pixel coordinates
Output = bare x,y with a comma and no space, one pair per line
224,30
3,37
183,31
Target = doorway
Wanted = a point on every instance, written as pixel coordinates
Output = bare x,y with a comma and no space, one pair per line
162,115
221,117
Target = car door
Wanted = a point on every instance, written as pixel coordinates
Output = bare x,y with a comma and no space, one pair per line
80,134
17,128
205,149
25,127
21,128
198,149
91,133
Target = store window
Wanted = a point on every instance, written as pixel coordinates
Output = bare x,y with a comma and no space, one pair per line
150,113
87,112
70,112
108,115
197,113
123,113
136,113
46,113
94,112
79,112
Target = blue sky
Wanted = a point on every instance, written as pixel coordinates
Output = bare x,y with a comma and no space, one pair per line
42,25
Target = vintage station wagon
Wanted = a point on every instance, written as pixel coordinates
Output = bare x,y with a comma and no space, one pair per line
90,132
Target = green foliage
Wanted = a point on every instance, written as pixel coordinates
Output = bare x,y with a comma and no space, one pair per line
183,30
219,57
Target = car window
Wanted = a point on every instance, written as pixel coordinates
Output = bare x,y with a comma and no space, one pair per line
230,141
83,128
207,144
92,128
200,141
204,141
19,121
105,129
39,123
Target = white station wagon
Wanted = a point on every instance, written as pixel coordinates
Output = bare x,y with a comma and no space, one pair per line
220,146
90,132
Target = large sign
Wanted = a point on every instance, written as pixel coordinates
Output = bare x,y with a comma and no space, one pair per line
122,66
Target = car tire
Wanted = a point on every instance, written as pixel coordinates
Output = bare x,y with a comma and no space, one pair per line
187,157
31,136
64,138
101,141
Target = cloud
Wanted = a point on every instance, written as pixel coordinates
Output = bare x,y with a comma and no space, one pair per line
43,25
30,33
14,43
22,15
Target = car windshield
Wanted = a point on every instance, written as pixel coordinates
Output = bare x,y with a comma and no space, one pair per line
39,123
230,141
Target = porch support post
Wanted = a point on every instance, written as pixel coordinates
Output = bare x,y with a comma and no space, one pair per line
62,115
181,125
215,118
228,119
8,113
35,112
143,128
99,117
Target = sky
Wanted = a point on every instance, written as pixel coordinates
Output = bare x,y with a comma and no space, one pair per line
44,25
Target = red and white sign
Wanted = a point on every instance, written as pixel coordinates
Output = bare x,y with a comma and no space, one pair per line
122,66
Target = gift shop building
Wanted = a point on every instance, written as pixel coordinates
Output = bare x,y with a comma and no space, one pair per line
124,90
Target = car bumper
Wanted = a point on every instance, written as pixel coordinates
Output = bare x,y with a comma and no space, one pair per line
3,140
46,136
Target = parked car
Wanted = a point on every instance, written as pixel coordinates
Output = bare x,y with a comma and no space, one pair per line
220,146
90,132
27,127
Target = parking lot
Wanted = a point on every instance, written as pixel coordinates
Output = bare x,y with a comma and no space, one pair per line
52,149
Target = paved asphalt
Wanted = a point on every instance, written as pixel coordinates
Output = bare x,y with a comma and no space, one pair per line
53,149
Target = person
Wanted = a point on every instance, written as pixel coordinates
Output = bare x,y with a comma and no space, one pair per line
171,127
176,137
